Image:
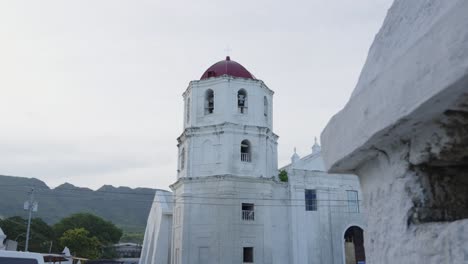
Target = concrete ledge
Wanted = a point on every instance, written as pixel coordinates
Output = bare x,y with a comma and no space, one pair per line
417,68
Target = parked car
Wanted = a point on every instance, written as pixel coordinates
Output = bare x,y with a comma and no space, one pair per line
15,257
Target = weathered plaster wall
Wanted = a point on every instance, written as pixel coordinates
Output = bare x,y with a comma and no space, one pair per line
412,218
404,132
416,68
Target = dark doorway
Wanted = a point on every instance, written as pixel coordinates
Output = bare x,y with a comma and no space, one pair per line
354,246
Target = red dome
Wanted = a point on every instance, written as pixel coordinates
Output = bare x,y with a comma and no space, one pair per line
227,67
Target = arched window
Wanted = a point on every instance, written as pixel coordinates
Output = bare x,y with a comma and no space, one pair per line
265,106
209,102
187,113
182,159
242,101
246,151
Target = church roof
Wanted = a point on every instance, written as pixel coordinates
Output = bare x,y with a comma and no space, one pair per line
227,67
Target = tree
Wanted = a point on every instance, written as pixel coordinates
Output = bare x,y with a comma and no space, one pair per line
41,238
283,176
105,231
80,243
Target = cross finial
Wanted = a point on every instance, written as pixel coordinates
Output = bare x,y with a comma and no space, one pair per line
294,149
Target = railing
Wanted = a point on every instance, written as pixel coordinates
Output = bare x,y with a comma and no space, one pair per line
245,157
248,215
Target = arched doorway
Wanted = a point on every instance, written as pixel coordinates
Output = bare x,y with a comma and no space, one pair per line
354,246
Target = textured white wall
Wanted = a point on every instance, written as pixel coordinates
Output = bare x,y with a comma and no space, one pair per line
157,240
225,90
211,218
212,141
390,190
318,236
404,132
420,52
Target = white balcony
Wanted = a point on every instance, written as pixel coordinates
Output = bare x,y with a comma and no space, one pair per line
245,157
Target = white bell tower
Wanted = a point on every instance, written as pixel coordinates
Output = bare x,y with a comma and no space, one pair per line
227,170
228,125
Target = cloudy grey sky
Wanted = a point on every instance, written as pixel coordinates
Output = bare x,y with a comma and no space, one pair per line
90,90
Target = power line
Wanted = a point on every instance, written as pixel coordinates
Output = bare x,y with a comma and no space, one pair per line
319,202
169,195
208,203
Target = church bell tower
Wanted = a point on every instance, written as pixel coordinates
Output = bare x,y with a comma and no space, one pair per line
227,125
227,170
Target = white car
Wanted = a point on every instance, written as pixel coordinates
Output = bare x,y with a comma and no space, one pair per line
15,257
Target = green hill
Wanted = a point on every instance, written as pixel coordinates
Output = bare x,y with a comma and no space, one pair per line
126,207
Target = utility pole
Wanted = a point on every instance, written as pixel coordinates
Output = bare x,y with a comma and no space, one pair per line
31,206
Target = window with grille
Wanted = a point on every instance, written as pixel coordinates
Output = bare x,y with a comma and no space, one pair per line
353,202
311,200
248,213
209,102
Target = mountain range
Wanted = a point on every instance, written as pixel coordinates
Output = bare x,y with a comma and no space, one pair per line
126,207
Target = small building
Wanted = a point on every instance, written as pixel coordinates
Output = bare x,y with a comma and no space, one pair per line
127,250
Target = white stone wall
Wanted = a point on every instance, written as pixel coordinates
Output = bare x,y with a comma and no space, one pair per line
416,69
404,132
318,236
208,221
391,191
215,150
158,234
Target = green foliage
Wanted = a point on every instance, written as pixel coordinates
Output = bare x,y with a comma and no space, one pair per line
105,231
283,176
81,243
41,237
123,206
85,234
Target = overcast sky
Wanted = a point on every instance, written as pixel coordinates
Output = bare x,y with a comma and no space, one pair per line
91,90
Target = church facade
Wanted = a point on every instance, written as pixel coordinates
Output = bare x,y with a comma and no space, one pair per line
229,204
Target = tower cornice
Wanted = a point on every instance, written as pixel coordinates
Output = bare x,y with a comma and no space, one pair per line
227,128
206,83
